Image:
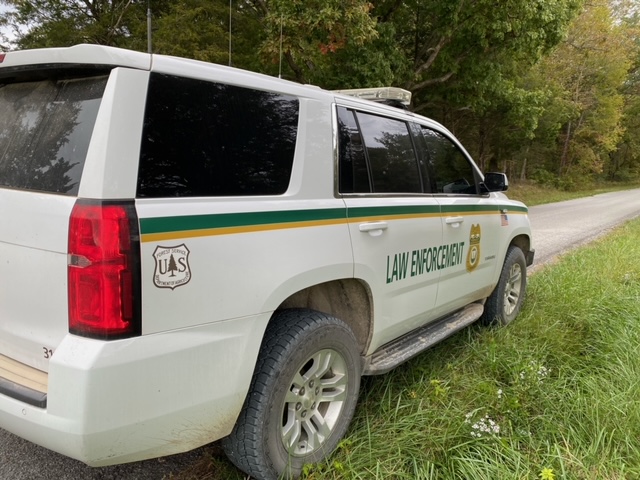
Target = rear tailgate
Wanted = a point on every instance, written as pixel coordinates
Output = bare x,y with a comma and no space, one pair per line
33,271
46,125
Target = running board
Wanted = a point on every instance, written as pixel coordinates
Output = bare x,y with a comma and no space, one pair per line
408,346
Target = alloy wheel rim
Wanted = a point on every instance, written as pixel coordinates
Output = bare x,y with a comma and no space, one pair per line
314,402
513,289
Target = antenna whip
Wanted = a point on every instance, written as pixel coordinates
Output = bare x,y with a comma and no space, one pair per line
149,50
280,67
230,1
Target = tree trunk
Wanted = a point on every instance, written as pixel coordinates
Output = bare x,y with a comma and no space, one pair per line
564,159
523,170
481,146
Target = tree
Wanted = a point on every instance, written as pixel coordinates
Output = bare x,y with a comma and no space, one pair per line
464,62
588,71
172,266
57,23
200,30
307,32
464,41
624,162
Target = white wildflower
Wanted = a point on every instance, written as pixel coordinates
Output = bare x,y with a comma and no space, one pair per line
483,427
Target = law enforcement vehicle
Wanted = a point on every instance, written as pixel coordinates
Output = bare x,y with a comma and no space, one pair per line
191,252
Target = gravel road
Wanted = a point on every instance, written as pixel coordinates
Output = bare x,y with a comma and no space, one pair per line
557,228
21,460
560,227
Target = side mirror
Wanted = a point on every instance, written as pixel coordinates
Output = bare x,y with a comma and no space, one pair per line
496,182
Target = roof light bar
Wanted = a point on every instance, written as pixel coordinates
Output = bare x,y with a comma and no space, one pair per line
380,93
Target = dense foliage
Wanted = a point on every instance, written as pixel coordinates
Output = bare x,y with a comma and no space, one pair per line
546,90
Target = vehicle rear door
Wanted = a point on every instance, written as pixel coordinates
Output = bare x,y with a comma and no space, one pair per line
395,227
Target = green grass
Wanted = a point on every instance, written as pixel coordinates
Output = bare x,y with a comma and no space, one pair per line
554,395
532,194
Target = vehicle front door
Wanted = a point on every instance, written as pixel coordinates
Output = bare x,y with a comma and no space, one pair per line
471,223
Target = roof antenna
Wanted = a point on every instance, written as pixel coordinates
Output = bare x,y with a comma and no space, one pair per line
280,67
149,50
230,32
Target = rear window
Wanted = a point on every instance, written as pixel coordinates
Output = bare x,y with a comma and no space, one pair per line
45,130
210,139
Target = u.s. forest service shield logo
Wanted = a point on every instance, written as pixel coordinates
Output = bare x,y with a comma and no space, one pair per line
172,266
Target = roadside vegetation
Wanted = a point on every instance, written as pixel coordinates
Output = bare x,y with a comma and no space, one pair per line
551,396
533,194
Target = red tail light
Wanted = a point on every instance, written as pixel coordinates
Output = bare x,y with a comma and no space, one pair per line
104,270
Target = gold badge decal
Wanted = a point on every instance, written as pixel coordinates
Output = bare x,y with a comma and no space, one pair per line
473,256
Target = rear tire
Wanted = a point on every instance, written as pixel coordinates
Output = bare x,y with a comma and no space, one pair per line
302,396
504,303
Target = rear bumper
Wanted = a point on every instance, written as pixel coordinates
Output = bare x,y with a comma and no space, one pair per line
128,400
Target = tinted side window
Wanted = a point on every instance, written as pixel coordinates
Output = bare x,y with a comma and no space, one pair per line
354,174
451,169
210,139
45,130
392,159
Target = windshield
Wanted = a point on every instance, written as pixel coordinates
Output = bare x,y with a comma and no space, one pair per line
45,130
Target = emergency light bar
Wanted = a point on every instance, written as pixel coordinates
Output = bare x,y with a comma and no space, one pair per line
380,94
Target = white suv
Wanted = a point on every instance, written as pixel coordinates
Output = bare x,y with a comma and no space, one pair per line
191,252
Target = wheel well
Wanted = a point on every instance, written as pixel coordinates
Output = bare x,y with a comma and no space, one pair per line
347,299
522,242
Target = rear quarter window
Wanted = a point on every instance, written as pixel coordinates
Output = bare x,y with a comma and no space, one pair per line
203,138
45,130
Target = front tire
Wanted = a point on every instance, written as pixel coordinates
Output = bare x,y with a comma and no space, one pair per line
302,396
504,303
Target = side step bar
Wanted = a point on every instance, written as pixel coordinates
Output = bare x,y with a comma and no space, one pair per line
408,346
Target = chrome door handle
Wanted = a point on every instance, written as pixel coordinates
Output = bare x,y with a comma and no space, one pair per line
374,228
454,221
